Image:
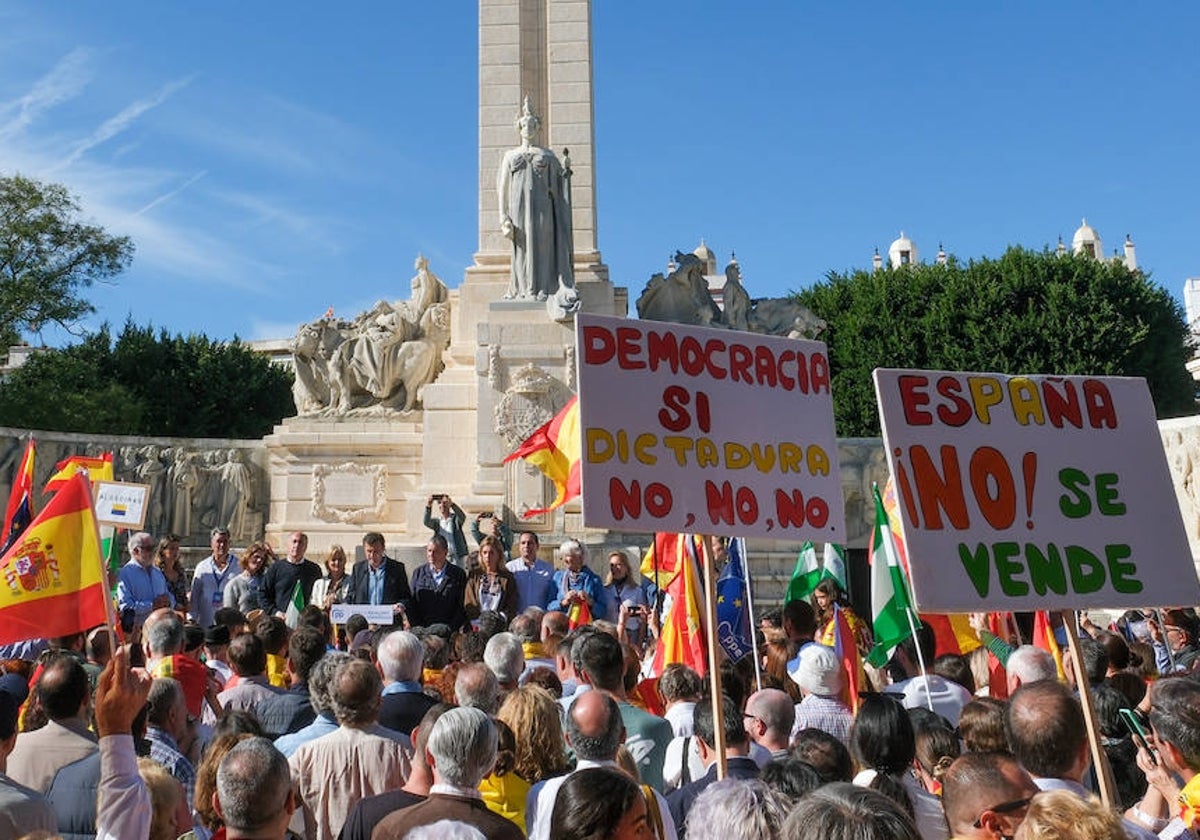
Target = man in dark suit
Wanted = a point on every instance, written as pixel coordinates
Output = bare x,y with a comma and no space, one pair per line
379,579
399,657
739,765
438,588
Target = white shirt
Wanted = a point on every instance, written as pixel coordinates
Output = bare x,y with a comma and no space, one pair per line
540,803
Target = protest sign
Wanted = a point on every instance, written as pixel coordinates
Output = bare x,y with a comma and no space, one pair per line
1033,492
121,503
691,429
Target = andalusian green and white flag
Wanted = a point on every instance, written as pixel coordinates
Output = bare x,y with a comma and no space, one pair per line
295,605
806,574
834,565
890,604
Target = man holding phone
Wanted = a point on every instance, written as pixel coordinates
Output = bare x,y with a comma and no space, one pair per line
1172,749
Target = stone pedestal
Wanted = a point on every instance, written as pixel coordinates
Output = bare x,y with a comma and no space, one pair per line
337,478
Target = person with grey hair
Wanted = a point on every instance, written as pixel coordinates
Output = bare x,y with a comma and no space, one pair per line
594,730
527,627
769,716
167,728
318,691
400,657
212,575
254,791
359,759
738,809
163,637
505,658
1028,664
462,749
576,583
476,687
842,811
141,585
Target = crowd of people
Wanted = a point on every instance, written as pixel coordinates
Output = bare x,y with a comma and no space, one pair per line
234,708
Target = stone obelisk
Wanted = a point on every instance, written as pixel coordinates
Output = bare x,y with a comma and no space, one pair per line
512,364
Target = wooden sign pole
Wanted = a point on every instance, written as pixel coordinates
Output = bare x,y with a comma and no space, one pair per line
1104,775
714,668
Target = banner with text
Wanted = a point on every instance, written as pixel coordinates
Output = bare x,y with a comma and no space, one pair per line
1033,492
692,429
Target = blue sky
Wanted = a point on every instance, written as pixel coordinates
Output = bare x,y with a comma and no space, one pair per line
273,159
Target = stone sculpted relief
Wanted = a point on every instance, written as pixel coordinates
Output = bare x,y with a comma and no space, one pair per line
682,297
380,361
534,192
349,493
193,491
532,398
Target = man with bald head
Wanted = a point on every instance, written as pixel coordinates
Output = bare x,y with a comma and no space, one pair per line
769,717
594,730
985,796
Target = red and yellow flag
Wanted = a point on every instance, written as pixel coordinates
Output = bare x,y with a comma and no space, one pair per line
579,614
99,468
682,639
19,512
555,448
53,579
845,646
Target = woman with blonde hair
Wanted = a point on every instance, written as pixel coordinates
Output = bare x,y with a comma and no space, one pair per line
631,608
334,587
169,814
534,717
244,592
491,587
1062,815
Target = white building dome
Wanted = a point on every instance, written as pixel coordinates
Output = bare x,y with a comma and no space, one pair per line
1087,242
902,252
707,257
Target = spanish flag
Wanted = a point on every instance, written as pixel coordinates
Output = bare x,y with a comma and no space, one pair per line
579,615
99,469
555,448
682,639
53,580
19,513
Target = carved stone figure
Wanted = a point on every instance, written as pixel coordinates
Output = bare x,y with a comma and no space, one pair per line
184,478
237,495
780,316
535,214
682,297
153,472
378,368
381,359
735,298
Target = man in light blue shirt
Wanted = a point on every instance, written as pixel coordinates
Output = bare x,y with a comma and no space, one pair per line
212,574
535,577
141,586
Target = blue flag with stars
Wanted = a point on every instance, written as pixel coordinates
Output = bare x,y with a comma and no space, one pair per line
733,610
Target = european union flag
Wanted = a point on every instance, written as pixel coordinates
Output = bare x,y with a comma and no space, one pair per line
733,609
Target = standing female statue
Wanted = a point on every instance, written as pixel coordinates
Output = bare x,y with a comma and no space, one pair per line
535,213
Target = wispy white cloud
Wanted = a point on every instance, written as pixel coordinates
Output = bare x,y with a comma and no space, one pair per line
165,197
113,126
266,212
63,82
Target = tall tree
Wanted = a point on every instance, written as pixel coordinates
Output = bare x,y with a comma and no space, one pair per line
47,256
1026,312
143,383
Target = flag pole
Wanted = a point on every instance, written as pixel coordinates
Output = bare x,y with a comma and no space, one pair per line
1104,774
710,633
750,607
109,616
920,656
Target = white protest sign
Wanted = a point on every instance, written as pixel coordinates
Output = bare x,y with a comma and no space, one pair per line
373,613
691,429
1033,492
120,503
